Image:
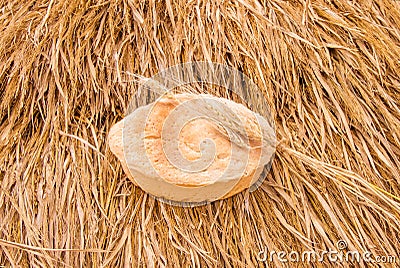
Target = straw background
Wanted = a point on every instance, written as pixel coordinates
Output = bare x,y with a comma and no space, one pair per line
328,69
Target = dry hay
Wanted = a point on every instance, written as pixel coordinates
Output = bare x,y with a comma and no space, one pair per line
329,70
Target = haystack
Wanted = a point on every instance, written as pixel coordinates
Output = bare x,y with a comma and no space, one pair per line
328,69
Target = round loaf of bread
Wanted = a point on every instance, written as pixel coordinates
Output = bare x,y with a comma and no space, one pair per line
193,148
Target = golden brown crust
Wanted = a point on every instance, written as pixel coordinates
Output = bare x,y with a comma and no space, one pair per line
190,138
